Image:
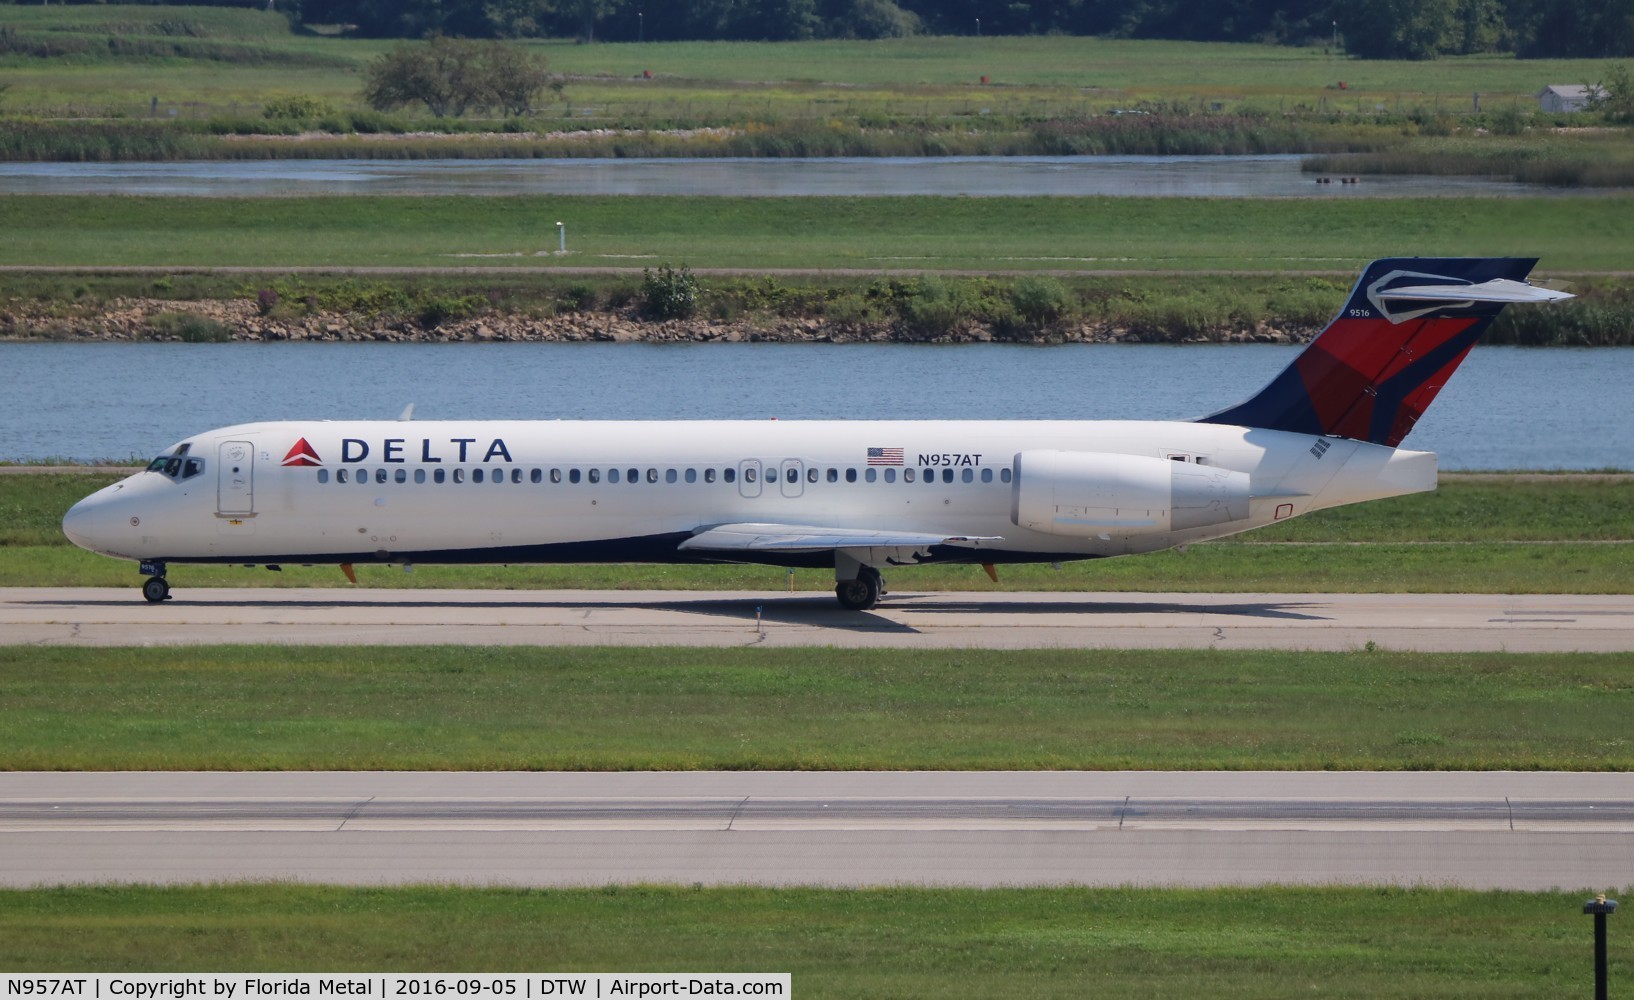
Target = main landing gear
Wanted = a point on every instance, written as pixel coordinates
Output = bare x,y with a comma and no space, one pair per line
863,592
155,588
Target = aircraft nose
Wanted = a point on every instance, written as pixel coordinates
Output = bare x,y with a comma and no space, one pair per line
88,523
80,524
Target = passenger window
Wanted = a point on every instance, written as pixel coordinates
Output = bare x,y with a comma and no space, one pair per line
323,476
401,475
652,476
555,475
459,475
476,475
833,475
670,475
536,476
907,475
573,476
595,476
612,475
692,475
968,475
419,475
890,475
380,475
811,475
987,475
930,477
363,477
635,475
516,476
792,475
850,475
748,475
1004,475
947,475
439,476
709,475
730,474
871,475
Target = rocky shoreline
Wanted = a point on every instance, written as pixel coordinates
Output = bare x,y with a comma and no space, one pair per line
161,320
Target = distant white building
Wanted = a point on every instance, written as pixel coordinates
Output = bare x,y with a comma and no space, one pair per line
1567,97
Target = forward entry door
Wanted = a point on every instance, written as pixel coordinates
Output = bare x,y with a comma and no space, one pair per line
235,478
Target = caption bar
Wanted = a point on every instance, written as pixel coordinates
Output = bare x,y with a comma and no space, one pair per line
390,986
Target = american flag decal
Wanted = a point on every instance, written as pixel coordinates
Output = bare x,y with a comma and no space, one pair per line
884,456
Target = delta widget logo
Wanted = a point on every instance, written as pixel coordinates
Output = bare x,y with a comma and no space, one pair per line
302,454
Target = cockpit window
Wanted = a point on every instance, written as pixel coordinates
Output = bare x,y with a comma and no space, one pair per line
177,466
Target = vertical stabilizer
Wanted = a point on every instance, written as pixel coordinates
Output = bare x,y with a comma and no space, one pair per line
1374,370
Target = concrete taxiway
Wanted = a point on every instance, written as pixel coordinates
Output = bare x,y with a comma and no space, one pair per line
1481,830
1422,622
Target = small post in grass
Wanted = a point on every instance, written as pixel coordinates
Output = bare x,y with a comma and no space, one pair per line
561,237
1601,907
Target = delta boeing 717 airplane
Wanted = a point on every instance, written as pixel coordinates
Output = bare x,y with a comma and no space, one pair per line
856,496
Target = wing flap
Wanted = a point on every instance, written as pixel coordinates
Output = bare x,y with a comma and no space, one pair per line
810,538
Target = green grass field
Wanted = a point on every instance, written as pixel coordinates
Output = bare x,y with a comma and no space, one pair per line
1250,943
237,708
1081,234
228,61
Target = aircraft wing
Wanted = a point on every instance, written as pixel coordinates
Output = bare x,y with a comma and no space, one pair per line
809,538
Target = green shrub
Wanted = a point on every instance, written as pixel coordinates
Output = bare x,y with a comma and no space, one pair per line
189,328
667,293
934,310
298,108
1041,301
580,296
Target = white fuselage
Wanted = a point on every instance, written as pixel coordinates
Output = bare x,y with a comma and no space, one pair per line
572,491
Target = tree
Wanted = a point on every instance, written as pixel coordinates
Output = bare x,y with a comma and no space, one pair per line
450,76
515,77
1403,29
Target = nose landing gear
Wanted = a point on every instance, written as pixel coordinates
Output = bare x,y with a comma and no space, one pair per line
156,589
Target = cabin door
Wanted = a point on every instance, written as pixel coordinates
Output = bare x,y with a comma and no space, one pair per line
235,478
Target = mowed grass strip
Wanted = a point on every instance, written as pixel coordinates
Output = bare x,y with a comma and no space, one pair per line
487,708
936,233
932,943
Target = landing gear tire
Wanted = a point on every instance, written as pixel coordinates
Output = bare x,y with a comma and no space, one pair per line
156,589
862,593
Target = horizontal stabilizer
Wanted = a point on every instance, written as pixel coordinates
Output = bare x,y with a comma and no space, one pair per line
1496,290
806,538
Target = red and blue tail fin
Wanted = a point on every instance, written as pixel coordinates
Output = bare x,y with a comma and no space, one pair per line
1374,370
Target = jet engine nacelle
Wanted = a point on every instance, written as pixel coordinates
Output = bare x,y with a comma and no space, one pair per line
1085,494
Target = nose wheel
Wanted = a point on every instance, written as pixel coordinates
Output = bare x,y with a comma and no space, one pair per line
156,589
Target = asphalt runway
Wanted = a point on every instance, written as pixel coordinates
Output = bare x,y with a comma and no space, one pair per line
1421,622
1480,830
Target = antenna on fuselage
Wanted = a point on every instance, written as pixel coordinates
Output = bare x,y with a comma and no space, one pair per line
407,414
